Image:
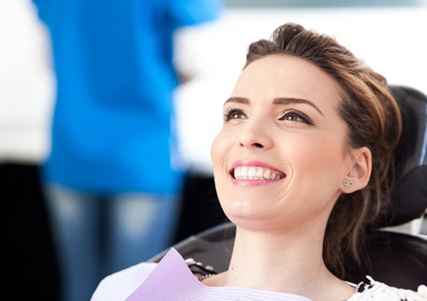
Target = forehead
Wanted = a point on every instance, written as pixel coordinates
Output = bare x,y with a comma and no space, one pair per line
286,76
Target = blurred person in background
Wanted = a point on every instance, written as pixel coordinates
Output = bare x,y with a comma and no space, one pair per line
114,177
28,263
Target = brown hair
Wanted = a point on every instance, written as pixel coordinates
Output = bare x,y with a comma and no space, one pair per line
373,120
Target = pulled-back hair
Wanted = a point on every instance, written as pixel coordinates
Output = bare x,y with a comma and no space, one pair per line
373,120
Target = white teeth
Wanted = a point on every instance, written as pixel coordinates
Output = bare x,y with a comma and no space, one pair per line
267,174
251,172
256,173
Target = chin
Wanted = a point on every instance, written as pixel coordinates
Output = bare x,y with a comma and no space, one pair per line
242,212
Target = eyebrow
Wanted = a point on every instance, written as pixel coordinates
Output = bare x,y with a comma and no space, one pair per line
277,101
238,100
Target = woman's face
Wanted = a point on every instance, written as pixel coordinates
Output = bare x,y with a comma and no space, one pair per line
282,153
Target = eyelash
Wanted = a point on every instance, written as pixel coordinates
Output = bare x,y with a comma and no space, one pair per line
298,115
229,112
233,113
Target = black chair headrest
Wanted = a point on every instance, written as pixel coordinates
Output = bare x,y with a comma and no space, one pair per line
409,196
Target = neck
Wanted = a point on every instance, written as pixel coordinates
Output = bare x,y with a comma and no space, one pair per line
290,263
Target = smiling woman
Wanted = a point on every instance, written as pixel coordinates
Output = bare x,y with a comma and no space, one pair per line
289,126
302,166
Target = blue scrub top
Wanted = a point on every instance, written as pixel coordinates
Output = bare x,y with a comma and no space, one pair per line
113,129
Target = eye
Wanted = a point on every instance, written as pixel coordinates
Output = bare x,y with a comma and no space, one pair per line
296,116
231,114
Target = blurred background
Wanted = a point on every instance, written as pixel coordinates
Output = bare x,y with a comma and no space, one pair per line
388,34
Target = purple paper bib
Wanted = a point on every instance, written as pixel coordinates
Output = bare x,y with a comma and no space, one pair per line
173,280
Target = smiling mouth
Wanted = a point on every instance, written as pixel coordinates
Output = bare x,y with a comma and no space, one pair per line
256,173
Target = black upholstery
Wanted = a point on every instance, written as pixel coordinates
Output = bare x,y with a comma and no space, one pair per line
397,259
211,247
409,196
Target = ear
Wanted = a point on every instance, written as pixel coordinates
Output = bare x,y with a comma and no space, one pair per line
360,170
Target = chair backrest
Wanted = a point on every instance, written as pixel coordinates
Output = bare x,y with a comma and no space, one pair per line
409,196
396,259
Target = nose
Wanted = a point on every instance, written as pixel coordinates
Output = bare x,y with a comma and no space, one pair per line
255,137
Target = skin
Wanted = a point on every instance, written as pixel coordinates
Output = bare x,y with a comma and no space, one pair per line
279,163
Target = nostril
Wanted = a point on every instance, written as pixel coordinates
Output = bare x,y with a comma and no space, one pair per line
251,141
254,145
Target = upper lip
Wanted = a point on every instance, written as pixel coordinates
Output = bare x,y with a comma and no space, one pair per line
255,163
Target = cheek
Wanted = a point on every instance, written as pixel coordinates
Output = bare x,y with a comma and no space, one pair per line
320,158
216,150
220,147
323,176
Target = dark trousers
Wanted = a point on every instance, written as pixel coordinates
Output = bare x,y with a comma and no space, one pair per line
28,260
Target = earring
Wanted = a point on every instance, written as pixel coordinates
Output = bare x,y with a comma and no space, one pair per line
347,184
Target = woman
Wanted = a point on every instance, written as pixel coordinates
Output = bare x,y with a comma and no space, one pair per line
302,166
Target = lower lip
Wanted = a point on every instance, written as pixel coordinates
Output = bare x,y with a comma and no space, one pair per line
242,182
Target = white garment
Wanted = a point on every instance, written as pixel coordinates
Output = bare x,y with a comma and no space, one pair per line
26,83
379,291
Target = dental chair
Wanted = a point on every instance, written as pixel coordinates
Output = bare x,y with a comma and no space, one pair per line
398,259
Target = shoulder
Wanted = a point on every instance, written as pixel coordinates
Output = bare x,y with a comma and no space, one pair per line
120,285
376,290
